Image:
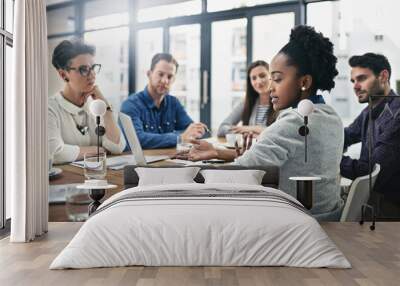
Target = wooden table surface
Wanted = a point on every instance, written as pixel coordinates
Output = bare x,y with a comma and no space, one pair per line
374,256
74,175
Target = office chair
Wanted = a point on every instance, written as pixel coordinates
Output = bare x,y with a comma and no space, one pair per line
357,200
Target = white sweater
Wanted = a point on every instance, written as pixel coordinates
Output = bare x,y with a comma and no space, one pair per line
64,136
281,145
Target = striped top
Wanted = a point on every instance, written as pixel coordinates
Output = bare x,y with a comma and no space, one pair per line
262,114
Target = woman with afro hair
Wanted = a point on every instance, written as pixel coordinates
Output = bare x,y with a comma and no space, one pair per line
304,66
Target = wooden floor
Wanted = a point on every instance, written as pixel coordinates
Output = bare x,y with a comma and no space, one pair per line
374,255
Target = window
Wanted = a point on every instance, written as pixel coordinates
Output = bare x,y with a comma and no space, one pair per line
219,5
61,21
104,13
270,33
150,42
51,2
6,10
8,79
9,11
183,8
185,47
113,57
228,67
357,27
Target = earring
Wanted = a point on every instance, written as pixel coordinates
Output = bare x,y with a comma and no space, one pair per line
303,88
66,79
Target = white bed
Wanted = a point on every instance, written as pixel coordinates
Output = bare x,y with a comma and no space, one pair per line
222,225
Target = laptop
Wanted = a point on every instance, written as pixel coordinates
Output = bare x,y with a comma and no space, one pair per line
134,143
136,158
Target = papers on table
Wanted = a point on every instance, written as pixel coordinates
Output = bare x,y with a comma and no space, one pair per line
58,193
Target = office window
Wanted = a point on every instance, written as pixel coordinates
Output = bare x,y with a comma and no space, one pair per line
357,27
219,5
185,47
150,42
9,9
9,70
183,8
270,34
113,57
61,20
228,67
102,14
52,2
6,67
3,206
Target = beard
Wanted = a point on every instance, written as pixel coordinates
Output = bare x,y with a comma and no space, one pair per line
158,89
375,89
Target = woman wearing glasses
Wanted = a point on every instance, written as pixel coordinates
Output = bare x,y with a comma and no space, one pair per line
71,126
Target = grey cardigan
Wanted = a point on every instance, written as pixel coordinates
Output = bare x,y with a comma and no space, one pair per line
236,116
281,145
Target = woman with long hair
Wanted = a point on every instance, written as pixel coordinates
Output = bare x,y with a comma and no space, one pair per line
256,111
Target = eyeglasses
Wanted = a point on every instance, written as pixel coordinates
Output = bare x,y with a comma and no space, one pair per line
85,70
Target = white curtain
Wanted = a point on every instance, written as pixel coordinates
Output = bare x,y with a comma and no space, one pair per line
26,124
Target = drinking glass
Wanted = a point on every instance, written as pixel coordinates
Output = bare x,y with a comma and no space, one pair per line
76,204
182,145
95,166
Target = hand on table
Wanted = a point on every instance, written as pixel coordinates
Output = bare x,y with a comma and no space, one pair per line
247,129
201,150
247,142
194,131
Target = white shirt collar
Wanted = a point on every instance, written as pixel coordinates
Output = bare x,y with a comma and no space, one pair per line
69,106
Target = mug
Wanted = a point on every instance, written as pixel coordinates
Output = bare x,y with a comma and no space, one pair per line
232,138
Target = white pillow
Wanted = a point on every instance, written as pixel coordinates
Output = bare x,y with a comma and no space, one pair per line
248,177
166,176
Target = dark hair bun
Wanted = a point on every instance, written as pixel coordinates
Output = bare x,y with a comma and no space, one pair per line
313,54
67,50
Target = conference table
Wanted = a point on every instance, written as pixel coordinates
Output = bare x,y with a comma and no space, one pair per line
61,211
74,175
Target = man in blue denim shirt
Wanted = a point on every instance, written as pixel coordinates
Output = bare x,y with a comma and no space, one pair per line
158,117
370,75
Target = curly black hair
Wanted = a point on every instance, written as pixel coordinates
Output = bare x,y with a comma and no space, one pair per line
67,50
374,62
312,54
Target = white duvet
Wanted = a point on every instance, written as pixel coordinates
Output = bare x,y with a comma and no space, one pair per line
183,231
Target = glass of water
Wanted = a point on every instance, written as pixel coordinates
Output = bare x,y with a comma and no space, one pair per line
76,204
95,166
182,145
